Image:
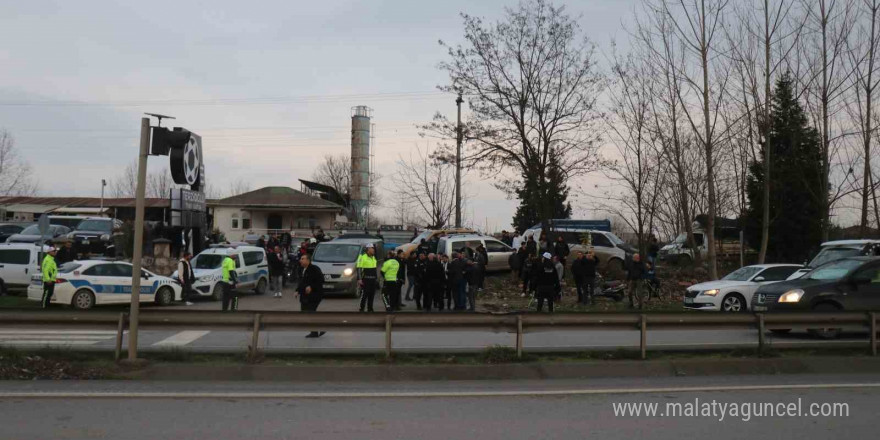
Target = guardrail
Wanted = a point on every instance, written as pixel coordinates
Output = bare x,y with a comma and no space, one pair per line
387,323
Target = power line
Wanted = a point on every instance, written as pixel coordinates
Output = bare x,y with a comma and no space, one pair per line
392,96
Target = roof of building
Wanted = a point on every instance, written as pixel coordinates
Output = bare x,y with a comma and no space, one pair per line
277,197
11,202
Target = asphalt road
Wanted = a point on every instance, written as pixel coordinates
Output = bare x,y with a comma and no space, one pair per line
403,341
450,410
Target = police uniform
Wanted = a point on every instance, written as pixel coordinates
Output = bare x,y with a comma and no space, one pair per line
391,291
50,274
366,267
230,279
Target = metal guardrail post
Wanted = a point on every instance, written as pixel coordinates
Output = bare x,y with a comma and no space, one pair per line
388,337
255,339
873,326
643,337
120,331
519,336
761,331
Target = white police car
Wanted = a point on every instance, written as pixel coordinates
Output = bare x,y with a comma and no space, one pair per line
251,267
85,284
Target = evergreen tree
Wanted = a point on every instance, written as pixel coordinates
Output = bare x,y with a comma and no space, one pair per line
537,201
795,182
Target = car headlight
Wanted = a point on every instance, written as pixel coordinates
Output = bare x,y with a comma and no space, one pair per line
70,236
792,296
105,237
348,271
710,292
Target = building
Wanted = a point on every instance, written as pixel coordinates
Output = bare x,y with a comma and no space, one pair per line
28,209
269,210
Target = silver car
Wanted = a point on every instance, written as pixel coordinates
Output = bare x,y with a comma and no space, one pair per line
337,259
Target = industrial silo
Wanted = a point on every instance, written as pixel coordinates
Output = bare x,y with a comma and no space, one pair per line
360,163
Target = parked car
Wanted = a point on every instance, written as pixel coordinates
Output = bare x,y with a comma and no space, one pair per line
835,250
610,250
430,235
94,236
498,252
18,262
734,292
32,235
71,221
9,229
337,258
851,283
251,267
85,284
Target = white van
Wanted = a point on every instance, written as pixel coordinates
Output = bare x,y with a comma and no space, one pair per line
610,250
251,267
337,260
18,262
498,252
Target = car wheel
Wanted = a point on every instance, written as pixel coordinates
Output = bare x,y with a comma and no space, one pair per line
261,287
615,268
165,296
217,293
825,333
734,303
83,300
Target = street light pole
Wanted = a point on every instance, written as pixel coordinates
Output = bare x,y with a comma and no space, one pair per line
138,240
459,133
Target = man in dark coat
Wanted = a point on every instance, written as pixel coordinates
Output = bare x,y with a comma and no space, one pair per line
577,272
455,277
561,251
591,263
310,288
532,246
66,254
547,282
420,280
635,273
432,294
481,258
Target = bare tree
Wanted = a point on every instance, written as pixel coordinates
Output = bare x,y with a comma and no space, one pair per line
159,185
697,24
238,186
124,186
15,173
428,185
335,172
862,57
532,86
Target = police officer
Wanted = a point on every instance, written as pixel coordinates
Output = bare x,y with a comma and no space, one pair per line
390,291
366,267
230,279
50,274
547,282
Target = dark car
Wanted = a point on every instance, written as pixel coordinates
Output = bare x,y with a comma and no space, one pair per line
9,229
850,284
94,236
31,234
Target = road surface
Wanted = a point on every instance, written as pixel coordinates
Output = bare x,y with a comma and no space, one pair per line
450,410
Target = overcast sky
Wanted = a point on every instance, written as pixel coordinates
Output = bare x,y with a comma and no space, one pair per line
268,84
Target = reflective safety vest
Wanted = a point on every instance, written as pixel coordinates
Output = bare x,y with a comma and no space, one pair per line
390,269
49,268
228,268
367,265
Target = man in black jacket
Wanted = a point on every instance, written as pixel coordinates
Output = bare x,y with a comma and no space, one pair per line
432,294
419,270
276,271
185,276
635,273
577,272
547,282
561,251
310,288
481,258
455,275
532,246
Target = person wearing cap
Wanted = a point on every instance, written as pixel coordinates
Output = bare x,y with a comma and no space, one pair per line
547,282
390,291
50,274
366,267
230,279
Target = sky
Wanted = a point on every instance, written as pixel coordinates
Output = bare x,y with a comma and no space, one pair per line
268,84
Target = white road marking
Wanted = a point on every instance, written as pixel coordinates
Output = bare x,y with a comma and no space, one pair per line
525,393
182,338
23,337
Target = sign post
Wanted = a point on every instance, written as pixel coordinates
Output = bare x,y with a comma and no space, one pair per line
43,225
138,240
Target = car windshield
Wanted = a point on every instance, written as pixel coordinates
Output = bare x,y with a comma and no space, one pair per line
208,261
834,253
68,267
95,225
681,239
615,239
336,253
742,274
418,239
31,230
834,270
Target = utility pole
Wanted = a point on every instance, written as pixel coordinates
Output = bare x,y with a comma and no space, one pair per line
138,240
459,134
103,184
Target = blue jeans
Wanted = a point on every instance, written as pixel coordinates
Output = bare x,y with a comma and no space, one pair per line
410,284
